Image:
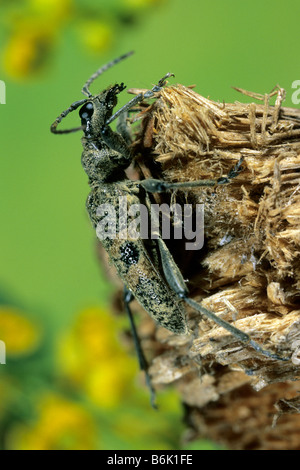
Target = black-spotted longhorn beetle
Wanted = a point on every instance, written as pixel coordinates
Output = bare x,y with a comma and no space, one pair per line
106,155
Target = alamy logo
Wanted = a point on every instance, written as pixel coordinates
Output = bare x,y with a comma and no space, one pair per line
2,92
2,352
296,94
137,221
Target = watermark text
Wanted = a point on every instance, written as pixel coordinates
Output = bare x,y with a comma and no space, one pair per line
296,94
2,92
2,352
158,221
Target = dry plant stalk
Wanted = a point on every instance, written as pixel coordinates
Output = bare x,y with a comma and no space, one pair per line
248,272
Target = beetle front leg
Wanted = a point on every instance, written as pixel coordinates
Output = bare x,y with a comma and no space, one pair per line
140,97
116,142
124,129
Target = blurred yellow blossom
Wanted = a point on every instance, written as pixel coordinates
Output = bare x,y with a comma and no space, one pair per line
93,336
91,356
19,334
108,384
95,35
62,424
33,32
27,49
34,26
53,9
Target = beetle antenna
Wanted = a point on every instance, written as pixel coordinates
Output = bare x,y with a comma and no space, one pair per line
85,89
71,108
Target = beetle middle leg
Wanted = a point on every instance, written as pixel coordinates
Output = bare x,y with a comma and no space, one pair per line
158,186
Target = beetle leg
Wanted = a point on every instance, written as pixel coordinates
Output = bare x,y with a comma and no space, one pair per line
123,128
175,280
158,186
116,142
128,297
140,97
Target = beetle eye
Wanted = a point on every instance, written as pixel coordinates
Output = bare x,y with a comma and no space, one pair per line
86,111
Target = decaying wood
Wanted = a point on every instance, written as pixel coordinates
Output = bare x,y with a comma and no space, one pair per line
248,272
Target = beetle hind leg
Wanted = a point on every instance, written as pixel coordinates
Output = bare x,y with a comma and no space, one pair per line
128,297
175,280
237,333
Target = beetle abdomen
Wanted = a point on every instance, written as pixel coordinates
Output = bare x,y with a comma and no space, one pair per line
139,274
134,265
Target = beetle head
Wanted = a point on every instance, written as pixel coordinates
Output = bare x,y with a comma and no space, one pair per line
98,109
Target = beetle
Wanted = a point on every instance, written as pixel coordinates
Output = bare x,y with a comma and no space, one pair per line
157,285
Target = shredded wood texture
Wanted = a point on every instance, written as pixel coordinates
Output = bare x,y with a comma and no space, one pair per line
248,271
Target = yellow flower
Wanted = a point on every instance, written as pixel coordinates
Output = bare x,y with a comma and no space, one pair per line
95,35
92,338
27,49
92,357
53,9
110,383
19,334
61,425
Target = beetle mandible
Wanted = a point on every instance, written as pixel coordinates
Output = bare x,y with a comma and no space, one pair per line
106,155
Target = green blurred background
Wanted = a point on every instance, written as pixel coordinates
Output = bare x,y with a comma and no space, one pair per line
55,300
